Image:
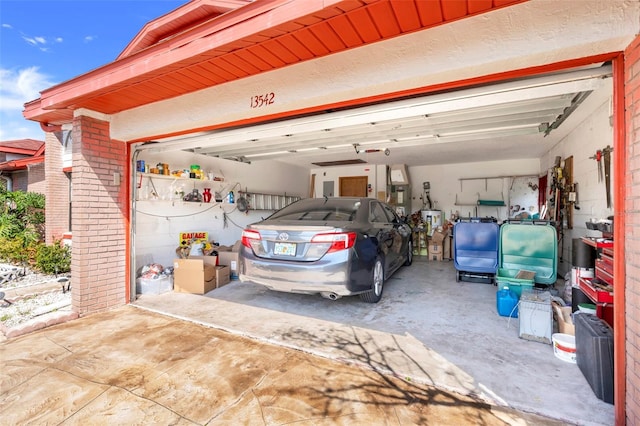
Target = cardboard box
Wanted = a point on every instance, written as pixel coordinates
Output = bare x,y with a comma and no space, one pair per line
435,249
437,257
446,252
439,236
197,276
230,256
564,319
223,275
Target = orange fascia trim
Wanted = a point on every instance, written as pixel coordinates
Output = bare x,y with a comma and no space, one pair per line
419,91
619,240
165,26
227,28
49,128
22,163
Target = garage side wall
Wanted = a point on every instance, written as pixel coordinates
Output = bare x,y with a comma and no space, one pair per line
57,189
632,232
98,262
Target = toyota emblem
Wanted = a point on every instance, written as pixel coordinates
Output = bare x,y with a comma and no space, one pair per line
283,236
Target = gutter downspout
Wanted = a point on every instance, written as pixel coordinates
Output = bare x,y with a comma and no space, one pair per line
8,180
49,128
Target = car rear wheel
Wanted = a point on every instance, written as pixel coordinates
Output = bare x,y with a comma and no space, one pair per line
409,259
375,294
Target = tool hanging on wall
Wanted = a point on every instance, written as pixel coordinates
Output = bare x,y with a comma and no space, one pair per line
607,173
426,199
573,196
598,157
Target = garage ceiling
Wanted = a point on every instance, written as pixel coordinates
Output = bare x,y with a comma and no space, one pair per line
515,119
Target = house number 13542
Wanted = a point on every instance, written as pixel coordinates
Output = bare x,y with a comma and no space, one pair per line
262,100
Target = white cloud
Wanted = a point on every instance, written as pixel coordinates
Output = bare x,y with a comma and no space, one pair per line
40,41
16,88
7,26
89,39
30,40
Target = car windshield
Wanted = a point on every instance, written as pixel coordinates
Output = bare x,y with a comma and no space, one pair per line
333,210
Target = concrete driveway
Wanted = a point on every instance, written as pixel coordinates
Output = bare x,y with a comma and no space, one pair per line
427,327
131,366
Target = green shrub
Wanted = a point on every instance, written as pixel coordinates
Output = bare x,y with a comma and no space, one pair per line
17,250
53,259
22,219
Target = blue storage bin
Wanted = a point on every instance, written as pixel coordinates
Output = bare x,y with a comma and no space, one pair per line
475,248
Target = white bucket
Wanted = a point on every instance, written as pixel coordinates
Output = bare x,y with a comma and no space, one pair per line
564,347
577,273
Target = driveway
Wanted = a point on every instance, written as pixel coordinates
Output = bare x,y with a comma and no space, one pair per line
131,366
427,327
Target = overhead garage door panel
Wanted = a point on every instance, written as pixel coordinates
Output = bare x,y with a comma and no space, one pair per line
506,113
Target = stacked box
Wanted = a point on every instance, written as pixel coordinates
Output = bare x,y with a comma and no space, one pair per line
194,275
230,256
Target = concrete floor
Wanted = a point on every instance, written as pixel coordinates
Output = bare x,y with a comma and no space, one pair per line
129,366
427,327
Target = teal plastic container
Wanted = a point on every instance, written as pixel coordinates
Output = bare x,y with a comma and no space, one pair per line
507,303
506,278
530,246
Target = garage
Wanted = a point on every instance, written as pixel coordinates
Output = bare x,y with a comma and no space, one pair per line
524,107
482,121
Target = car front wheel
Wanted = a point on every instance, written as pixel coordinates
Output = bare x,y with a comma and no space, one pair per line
375,294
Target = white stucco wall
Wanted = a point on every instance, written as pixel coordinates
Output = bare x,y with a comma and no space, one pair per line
448,188
159,222
591,134
532,33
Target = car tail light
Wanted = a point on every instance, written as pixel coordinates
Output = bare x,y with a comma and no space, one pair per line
248,236
338,241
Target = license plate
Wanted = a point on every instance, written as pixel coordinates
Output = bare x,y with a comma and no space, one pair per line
285,249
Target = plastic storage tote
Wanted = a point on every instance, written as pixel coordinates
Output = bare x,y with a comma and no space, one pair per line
529,246
475,249
507,278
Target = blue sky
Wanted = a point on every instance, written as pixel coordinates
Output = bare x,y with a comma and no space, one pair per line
46,42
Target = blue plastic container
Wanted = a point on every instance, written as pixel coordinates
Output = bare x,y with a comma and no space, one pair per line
507,303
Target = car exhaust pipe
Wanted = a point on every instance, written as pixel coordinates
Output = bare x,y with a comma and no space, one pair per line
331,296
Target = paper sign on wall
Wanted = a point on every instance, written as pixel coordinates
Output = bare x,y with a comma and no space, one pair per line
187,237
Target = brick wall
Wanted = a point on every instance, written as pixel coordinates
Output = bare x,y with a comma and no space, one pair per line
57,189
632,232
36,176
98,261
20,181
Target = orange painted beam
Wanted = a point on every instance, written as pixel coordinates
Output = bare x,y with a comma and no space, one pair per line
233,26
620,183
127,223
